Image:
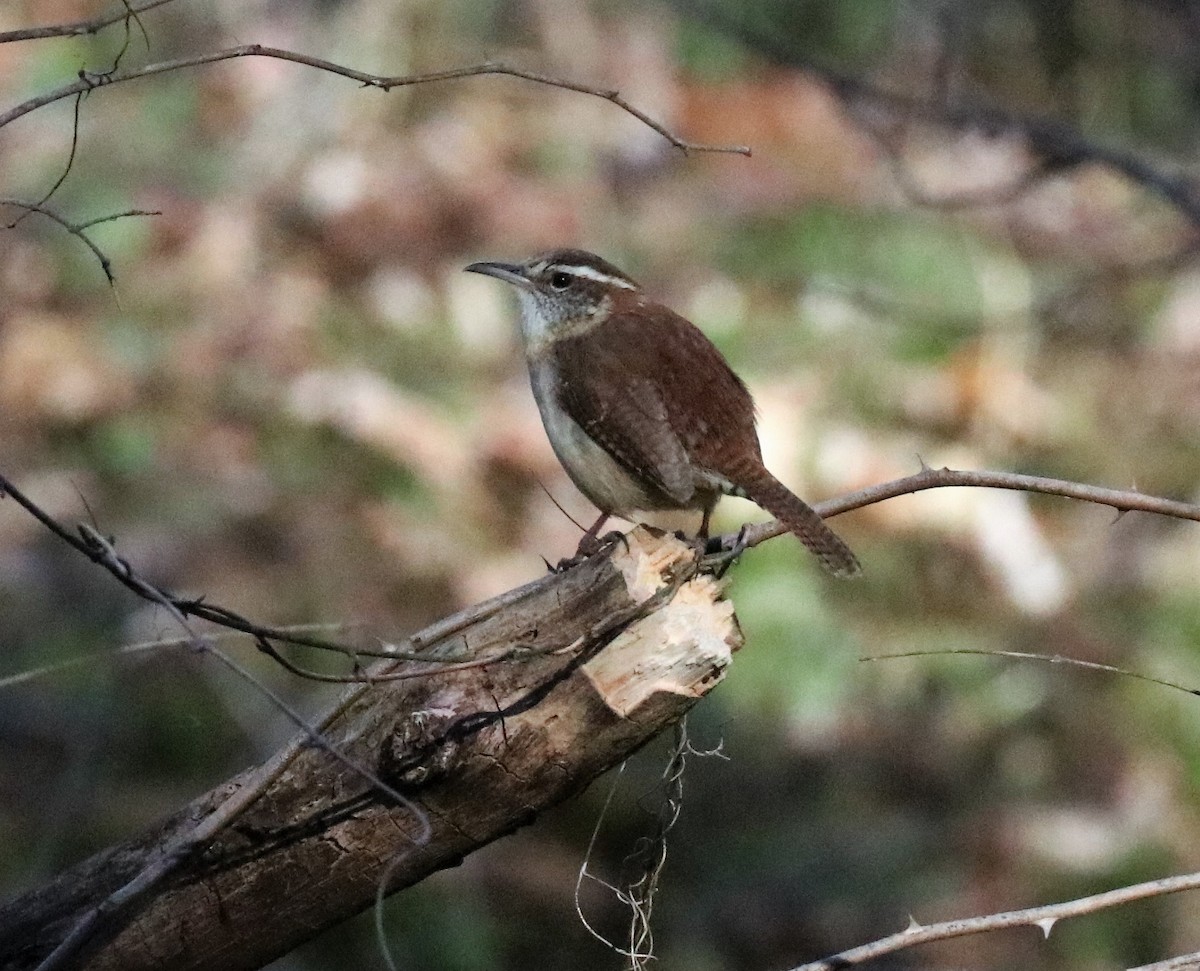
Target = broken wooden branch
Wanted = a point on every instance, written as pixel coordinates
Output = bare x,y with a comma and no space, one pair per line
589,666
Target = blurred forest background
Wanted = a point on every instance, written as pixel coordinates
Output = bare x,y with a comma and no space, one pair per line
294,403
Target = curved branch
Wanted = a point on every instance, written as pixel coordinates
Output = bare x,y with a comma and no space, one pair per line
722,548
1124,500
88,81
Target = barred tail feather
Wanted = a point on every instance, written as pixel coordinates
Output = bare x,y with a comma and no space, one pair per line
800,518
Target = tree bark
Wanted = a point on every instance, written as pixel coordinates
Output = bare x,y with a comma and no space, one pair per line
589,665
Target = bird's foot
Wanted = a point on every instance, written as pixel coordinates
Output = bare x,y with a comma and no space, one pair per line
725,558
591,546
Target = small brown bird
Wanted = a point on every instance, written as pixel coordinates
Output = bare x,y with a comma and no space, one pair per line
640,407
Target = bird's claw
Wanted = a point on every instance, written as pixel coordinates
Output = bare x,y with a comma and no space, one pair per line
730,556
591,546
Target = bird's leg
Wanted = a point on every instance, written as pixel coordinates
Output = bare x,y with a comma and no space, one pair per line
588,544
707,547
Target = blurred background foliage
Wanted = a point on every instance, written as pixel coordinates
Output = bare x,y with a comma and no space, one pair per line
293,403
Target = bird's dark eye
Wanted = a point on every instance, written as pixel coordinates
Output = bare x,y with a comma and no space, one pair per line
560,280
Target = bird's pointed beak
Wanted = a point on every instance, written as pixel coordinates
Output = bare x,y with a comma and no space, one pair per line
508,272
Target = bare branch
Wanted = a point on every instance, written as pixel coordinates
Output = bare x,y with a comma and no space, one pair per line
1046,658
88,81
78,230
1043,918
49,193
223,617
438,666
627,644
79,28
125,650
1124,500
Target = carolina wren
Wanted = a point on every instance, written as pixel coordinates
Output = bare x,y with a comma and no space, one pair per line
640,407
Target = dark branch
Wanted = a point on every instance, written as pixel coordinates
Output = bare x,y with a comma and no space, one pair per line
81,27
78,230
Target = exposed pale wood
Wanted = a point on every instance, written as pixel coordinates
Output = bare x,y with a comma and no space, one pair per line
610,654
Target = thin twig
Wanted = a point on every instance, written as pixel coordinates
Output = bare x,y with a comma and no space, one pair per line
223,617
88,82
78,230
1043,918
80,28
131,17
141,647
1046,658
49,193
1124,500
367,677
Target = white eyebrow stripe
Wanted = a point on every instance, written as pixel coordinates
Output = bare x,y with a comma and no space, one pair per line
591,273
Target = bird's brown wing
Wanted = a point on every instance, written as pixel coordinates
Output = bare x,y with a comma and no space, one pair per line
616,396
656,394
709,408
653,371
